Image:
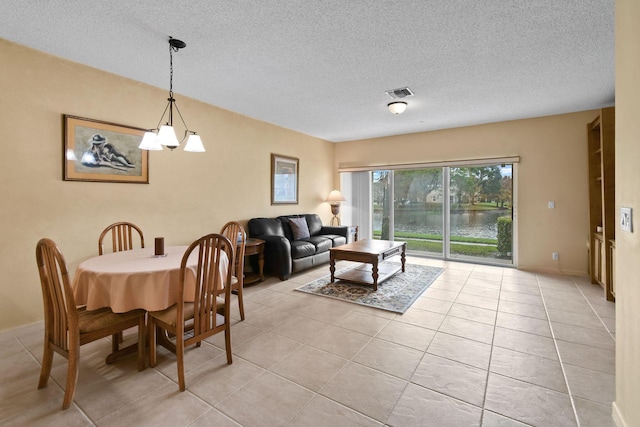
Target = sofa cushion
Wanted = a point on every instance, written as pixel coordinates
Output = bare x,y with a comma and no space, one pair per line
299,228
315,224
302,248
321,243
337,240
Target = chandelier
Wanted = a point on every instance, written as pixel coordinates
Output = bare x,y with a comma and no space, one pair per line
165,134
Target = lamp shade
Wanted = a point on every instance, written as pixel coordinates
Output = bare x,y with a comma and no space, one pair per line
167,136
397,107
194,144
335,197
150,142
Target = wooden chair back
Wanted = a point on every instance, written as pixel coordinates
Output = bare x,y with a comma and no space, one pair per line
211,292
66,327
122,237
235,232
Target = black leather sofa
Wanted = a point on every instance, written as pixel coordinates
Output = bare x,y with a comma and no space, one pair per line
284,253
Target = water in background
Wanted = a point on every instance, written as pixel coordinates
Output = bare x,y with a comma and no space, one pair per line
483,224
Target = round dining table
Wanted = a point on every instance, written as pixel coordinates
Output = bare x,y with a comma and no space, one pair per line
134,279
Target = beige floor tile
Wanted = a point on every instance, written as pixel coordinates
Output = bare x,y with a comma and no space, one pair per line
241,332
267,317
419,406
461,350
595,386
585,356
526,367
365,390
299,328
521,298
193,357
422,318
593,414
309,367
482,291
407,335
525,343
390,358
216,380
523,324
269,400
528,403
577,305
443,294
470,312
522,288
586,336
432,304
364,323
161,406
339,341
584,320
323,412
448,286
520,309
266,349
454,379
491,419
477,301
214,418
467,329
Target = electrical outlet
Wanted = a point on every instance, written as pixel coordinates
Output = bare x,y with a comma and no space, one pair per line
554,256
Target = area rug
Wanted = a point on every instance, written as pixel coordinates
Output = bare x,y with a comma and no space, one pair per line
395,294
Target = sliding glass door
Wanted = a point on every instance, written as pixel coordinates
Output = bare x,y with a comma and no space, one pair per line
463,213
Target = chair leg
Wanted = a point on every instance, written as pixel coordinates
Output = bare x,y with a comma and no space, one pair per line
47,362
227,343
151,332
72,376
142,343
180,362
240,302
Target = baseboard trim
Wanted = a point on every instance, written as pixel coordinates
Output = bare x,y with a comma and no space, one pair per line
617,416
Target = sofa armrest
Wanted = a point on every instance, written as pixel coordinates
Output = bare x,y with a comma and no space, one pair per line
277,255
339,230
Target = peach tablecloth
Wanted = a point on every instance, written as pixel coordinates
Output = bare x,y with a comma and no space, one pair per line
134,279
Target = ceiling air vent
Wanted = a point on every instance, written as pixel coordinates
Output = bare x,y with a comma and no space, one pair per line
399,93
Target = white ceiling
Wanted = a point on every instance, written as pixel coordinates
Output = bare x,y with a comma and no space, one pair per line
321,67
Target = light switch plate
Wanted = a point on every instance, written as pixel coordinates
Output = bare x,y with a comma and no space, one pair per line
552,204
626,220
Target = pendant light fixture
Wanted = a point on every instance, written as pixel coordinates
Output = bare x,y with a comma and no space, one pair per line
165,134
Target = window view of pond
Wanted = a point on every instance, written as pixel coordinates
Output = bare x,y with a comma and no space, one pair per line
479,210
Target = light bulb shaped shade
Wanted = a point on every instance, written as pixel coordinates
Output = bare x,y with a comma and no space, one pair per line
167,136
335,197
397,107
194,144
150,142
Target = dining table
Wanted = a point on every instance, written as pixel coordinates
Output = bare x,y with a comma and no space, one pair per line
136,279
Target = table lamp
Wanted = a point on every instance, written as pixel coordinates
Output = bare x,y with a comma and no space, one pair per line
334,199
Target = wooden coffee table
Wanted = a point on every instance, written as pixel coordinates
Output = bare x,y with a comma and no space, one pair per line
369,252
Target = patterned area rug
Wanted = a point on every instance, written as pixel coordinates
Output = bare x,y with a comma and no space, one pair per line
394,294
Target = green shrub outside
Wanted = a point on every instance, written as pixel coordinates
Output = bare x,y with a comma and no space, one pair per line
504,236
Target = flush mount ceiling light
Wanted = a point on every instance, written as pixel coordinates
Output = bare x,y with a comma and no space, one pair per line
397,107
166,134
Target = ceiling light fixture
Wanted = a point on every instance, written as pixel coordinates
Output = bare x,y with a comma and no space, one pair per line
397,107
166,135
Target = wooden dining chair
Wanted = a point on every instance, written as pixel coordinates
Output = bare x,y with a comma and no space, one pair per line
122,237
200,317
67,327
234,231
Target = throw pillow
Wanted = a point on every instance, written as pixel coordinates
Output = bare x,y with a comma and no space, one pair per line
299,228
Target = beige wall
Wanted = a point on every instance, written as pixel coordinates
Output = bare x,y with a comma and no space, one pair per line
626,409
189,194
553,166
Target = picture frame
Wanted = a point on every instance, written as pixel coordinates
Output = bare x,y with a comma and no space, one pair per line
98,151
284,180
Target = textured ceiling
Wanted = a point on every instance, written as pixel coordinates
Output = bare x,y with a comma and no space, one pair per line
322,67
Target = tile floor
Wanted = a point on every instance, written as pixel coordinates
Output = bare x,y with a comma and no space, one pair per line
483,345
